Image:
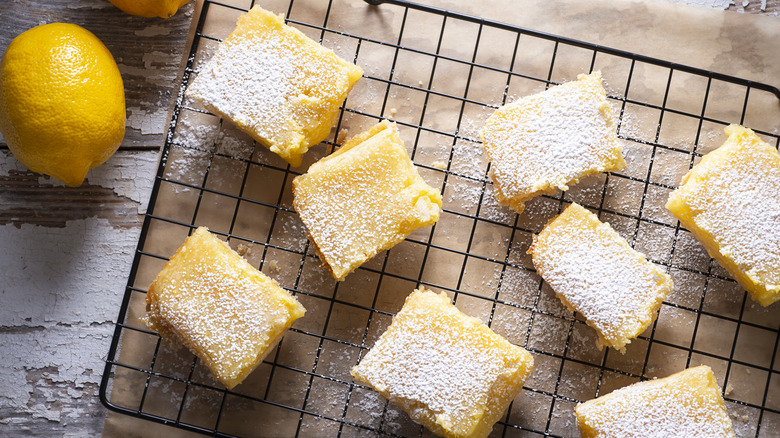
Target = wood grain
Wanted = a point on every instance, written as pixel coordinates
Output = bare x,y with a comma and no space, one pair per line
29,198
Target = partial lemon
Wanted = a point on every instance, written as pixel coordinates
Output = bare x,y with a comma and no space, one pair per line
62,101
150,8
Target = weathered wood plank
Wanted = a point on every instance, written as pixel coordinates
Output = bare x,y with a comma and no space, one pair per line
754,7
116,191
60,289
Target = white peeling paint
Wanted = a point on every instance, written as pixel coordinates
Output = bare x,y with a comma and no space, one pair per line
128,174
148,123
85,5
161,58
59,301
715,4
75,364
159,68
60,292
10,164
70,275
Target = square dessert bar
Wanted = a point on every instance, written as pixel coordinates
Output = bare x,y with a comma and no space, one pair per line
213,301
275,84
687,404
364,198
731,202
595,272
448,371
550,140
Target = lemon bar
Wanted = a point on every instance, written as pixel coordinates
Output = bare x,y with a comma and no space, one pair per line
448,371
686,404
550,140
731,202
362,199
276,84
594,271
226,312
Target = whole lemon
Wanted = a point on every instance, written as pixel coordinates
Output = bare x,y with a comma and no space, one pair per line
62,101
150,8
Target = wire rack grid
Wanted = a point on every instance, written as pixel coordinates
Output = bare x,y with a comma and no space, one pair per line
439,74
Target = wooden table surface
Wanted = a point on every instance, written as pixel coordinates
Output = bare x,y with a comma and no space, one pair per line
67,251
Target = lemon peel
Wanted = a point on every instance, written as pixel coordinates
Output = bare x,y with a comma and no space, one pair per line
150,8
62,101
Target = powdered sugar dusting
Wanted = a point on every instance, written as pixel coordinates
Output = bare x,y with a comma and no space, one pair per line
467,159
195,135
234,143
210,299
734,197
752,237
276,84
249,83
184,165
596,273
364,198
443,364
551,139
686,404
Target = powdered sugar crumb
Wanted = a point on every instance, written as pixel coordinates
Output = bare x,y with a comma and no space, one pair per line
467,160
195,135
182,164
232,142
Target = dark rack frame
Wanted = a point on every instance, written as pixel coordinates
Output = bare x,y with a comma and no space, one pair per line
112,361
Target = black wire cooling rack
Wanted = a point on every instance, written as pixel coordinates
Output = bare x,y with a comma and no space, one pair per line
438,74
